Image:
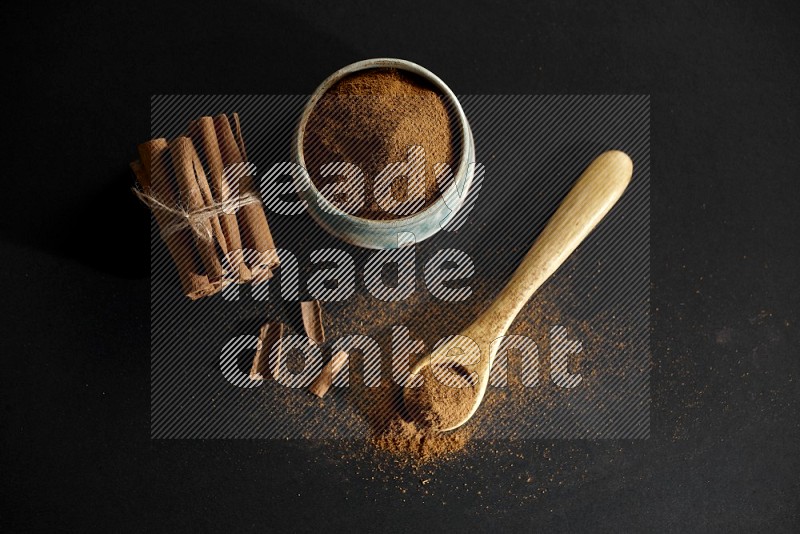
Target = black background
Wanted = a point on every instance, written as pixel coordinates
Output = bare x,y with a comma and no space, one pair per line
75,337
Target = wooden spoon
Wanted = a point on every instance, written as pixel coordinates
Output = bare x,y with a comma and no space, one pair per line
594,194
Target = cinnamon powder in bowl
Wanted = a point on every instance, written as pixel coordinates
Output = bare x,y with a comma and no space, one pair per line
387,152
370,119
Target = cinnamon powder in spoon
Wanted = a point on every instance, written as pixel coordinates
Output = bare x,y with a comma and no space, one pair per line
436,405
370,119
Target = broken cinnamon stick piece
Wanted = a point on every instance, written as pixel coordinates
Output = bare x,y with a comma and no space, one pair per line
323,382
253,225
189,173
152,174
312,321
269,339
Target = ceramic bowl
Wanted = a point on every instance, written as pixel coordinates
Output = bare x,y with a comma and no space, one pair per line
387,234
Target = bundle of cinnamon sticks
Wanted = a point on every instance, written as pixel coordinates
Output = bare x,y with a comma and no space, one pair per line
203,198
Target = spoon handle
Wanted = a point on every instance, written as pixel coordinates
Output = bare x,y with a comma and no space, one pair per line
591,198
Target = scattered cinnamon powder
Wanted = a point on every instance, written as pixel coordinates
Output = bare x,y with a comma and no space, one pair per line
394,432
370,119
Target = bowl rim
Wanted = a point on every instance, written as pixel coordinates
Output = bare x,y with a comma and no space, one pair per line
307,184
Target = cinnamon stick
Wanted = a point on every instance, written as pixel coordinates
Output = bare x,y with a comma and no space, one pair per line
152,174
323,382
269,337
253,225
189,174
208,201
312,321
205,139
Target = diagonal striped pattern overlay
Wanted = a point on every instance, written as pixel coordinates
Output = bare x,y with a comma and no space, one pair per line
577,361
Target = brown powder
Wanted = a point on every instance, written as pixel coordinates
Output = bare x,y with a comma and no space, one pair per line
407,432
394,435
370,119
428,407
406,439
436,405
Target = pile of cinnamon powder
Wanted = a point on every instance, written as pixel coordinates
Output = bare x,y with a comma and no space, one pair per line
421,444
370,119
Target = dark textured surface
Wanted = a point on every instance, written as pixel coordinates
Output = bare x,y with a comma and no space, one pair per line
724,122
